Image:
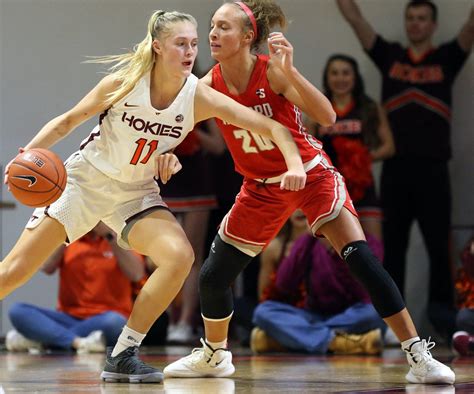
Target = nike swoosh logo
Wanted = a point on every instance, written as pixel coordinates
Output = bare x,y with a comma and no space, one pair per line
29,178
131,105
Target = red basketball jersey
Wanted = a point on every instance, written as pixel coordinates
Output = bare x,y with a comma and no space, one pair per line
255,156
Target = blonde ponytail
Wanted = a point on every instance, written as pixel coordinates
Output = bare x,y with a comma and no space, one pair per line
128,68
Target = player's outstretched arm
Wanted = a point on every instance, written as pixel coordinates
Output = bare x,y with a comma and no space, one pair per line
92,104
466,35
363,30
210,103
58,128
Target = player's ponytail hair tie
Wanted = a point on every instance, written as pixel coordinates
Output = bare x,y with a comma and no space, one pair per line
250,14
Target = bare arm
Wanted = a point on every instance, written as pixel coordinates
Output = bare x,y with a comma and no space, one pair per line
59,127
363,30
54,261
210,103
213,141
285,79
466,35
92,104
129,262
387,145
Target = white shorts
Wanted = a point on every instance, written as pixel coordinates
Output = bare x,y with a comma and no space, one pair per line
91,196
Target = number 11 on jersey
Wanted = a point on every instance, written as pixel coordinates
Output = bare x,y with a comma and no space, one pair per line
141,143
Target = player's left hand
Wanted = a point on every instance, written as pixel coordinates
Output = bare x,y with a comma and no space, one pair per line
293,180
281,50
7,168
166,165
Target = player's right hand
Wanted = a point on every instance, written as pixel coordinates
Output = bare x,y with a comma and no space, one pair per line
166,165
7,168
293,180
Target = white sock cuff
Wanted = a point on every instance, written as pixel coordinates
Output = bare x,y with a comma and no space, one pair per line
132,335
406,344
217,345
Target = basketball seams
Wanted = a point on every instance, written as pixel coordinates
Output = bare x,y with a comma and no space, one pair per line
44,190
49,199
57,163
53,162
43,154
36,172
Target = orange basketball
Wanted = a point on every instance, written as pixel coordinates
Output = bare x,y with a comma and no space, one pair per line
37,177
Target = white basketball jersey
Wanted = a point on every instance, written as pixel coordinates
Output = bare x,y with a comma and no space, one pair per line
131,132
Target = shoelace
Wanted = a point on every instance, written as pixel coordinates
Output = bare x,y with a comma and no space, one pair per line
132,363
196,353
423,355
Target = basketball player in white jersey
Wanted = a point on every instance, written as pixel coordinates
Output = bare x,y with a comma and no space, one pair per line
148,104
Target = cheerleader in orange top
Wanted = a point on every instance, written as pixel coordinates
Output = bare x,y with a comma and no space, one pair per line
360,136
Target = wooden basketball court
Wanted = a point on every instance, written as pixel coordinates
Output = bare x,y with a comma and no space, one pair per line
283,373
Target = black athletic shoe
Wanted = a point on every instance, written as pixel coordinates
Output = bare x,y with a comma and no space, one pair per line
126,367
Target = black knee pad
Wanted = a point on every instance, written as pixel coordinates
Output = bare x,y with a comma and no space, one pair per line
383,291
221,268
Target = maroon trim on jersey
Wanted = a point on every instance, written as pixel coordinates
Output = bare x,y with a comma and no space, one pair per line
418,58
92,136
419,97
146,212
342,112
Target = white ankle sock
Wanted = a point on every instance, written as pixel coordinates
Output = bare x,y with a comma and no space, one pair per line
217,345
127,338
406,344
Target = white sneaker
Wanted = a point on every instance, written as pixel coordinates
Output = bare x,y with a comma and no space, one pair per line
180,333
93,343
424,368
15,342
202,362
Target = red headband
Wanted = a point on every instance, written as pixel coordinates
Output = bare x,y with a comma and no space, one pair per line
249,13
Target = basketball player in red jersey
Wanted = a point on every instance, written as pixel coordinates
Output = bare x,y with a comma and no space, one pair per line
148,104
273,86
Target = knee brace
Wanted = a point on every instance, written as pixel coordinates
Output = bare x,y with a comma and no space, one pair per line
385,295
218,272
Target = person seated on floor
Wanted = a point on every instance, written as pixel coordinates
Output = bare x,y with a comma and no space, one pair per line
463,340
94,300
269,260
316,306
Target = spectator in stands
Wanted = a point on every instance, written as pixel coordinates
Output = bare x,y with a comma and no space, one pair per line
314,305
416,92
360,136
94,302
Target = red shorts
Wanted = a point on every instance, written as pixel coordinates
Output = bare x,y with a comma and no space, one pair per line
261,209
